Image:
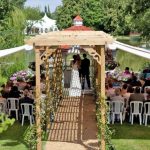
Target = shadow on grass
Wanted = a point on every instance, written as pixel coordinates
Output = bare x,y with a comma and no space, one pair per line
14,136
11,143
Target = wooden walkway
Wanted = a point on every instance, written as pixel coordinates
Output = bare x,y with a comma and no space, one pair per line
75,126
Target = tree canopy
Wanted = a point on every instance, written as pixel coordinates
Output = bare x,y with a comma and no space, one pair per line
113,16
12,21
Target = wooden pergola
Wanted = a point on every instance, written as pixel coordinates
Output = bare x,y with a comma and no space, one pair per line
92,42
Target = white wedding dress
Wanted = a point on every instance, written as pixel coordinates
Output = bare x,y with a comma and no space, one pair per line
75,85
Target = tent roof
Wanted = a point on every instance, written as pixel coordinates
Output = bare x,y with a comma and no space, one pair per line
45,22
71,38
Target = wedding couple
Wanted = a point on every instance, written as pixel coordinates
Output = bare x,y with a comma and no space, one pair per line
80,73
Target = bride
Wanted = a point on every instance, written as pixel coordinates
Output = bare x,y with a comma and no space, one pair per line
75,85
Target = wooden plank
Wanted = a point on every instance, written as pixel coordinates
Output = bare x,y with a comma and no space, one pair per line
38,95
102,90
47,106
72,41
72,38
87,33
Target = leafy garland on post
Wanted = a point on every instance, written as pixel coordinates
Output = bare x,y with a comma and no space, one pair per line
99,104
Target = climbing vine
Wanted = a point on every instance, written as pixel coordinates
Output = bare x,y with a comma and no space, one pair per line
108,132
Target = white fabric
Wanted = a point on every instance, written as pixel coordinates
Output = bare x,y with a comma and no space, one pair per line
6,52
44,23
75,85
131,49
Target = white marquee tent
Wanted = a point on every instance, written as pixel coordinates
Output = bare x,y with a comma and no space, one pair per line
44,25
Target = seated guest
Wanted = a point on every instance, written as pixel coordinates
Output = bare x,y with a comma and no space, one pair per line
136,96
127,73
6,89
124,89
110,92
130,91
147,83
21,84
14,92
134,81
26,99
147,96
117,96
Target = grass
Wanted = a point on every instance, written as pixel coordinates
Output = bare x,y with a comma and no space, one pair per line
131,137
12,139
126,137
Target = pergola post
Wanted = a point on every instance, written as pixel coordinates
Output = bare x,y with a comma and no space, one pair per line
47,109
102,97
38,95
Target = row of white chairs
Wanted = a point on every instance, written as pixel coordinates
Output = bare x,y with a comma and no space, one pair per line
136,108
13,106
145,89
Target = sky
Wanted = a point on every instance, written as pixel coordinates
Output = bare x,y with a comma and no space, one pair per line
41,3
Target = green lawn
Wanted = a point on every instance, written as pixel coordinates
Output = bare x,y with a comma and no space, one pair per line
131,137
12,139
126,137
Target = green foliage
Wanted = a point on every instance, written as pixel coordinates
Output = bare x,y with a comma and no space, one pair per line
140,14
18,3
137,137
30,137
113,16
32,14
5,122
12,25
126,59
108,132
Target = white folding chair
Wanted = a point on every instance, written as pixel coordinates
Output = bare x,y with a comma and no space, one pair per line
117,109
27,110
145,88
136,109
146,112
139,87
13,105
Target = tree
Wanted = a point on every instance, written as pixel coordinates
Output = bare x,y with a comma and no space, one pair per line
64,14
11,25
47,11
108,15
140,13
18,3
32,14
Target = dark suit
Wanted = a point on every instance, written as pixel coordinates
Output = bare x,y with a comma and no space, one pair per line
26,100
85,65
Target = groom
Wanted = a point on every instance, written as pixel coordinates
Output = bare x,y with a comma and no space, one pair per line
85,71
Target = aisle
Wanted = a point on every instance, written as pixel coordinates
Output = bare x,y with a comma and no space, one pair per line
74,127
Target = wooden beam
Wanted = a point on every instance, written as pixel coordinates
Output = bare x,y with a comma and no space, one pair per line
38,97
71,41
71,38
102,99
47,109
